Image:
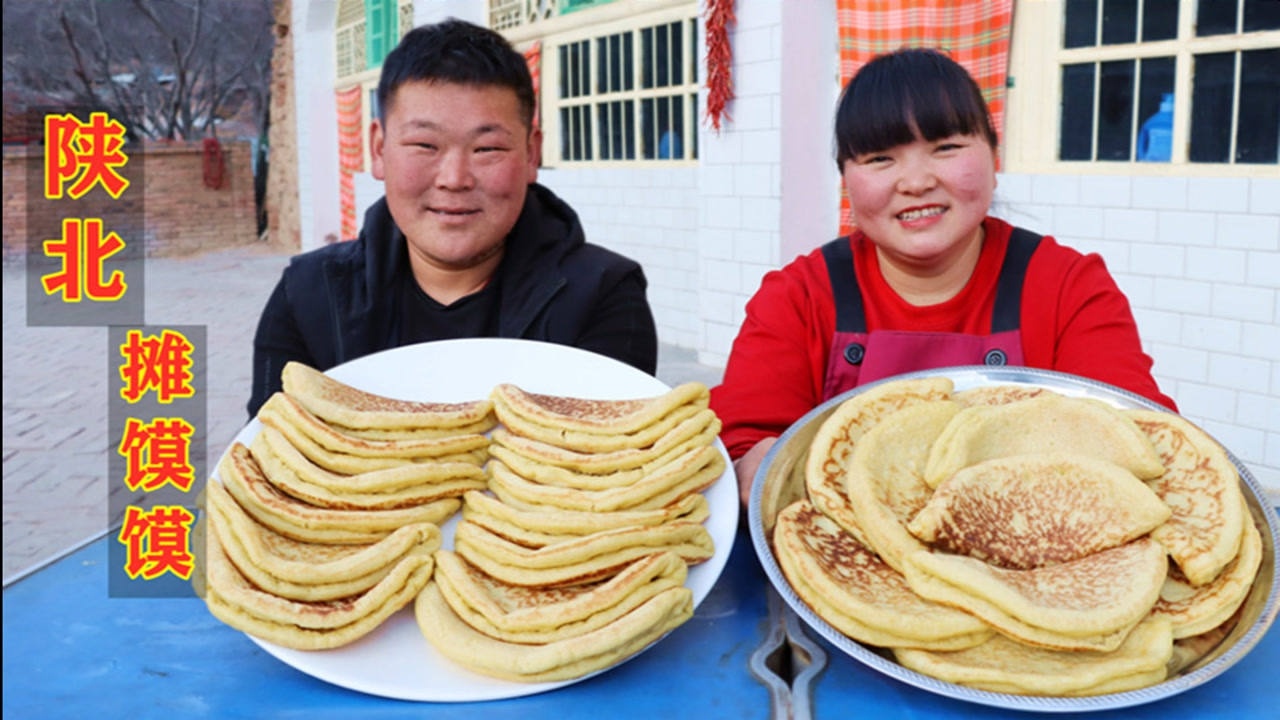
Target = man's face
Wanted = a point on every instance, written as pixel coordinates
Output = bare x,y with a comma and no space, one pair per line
457,162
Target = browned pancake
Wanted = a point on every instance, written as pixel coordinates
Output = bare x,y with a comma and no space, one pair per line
1197,609
1087,604
524,614
997,394
291,472
342,404
850,587
558,660
608,417
833,445
293,518
1028,511
676,480
582,559
331,448
1044,423
1203,489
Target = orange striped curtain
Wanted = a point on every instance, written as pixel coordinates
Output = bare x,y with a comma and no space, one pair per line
973,32
533,57
350,156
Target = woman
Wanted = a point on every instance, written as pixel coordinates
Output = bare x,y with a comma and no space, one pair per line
927,280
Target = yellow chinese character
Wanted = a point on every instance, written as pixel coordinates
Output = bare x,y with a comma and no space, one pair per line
157,453
82,250
91,151
162,364
157,541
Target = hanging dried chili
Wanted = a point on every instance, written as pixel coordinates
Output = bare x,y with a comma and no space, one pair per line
719,16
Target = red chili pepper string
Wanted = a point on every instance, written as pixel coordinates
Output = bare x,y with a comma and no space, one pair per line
214,164
719,16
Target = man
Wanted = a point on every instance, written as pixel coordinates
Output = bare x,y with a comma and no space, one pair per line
465,243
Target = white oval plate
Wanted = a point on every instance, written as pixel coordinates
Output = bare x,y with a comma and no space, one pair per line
395,660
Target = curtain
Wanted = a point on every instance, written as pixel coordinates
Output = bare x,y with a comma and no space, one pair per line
350,156
533,58
975,33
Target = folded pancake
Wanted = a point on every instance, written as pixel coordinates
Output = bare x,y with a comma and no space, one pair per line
1202,487
302,625
291,472
413,434
529,615
590,442
1027,511
535,528
692,472
244,479
696,431
850,587
308,571
329,447
584,559
1197,609
600,417
555,476
997,394
829,451
1042,424
1006,666
884,482
559,660
1087,604
342,404
1189,651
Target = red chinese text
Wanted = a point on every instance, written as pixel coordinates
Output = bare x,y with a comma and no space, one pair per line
157,453
87,153
158,541
161,364
82,249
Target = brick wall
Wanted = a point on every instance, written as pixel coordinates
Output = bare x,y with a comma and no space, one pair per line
182,216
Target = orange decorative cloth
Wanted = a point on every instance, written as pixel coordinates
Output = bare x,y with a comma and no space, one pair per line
533,58
350,156
975,33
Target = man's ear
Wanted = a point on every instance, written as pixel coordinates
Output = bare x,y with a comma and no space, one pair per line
377,137
535,153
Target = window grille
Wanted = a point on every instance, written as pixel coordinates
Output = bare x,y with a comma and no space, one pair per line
1185,81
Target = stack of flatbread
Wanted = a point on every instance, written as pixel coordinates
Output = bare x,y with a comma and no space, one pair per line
578,558
1018,540
327,523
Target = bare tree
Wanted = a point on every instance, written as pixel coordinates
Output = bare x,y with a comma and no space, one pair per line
166,69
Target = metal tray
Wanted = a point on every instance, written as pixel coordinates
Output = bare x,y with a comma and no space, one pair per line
780,480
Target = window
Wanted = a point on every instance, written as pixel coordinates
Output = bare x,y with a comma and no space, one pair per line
1181,81
381,29
626,95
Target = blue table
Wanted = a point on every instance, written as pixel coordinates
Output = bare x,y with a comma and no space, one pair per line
72,652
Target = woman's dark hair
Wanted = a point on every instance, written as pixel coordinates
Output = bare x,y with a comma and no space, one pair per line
455,51
908,94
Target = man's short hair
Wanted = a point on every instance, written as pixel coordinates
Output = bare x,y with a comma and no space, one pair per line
455,51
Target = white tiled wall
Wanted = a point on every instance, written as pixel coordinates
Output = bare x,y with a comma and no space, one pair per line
650,216
1200,261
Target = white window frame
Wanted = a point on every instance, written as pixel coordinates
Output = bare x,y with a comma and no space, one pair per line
1034,97
602,21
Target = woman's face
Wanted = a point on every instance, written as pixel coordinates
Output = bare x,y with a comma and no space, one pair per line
922,203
